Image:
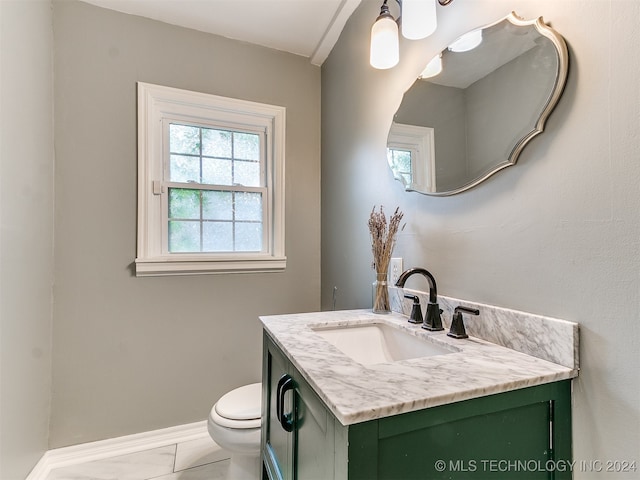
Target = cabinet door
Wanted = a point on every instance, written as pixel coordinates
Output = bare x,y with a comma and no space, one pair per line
520,434
307,451
277,443
314,435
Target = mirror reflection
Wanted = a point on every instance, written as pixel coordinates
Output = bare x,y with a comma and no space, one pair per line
476,105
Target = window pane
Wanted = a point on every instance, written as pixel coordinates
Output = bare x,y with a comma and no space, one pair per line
184,139
184,203
248,237
217,205
216,143
246,146
184,169
403,160
184,236
216,171
400,160
248,206
212,220
217,237
247,174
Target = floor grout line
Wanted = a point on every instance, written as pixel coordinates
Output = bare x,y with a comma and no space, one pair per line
175,458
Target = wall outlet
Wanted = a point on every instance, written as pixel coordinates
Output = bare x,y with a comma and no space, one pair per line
395,269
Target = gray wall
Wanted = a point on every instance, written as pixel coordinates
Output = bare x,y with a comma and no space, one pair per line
135,354
26,233
525,82
557,235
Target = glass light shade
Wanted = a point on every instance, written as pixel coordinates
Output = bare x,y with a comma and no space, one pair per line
433,68
385,47
418,18
467,42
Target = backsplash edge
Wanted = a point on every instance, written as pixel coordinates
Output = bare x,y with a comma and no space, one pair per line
548,338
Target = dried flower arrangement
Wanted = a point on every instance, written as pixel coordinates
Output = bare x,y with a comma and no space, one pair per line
383,239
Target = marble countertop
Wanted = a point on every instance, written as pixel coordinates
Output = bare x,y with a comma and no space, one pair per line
357,393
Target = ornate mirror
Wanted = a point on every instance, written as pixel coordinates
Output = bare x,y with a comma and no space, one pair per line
476,105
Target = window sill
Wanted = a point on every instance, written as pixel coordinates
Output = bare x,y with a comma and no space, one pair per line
165,266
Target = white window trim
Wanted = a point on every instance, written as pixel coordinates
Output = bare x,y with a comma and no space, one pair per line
157,102
420,142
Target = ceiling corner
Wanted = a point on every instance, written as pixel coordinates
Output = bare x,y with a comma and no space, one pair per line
333,30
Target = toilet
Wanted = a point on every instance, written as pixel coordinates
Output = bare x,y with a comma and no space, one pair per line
234,424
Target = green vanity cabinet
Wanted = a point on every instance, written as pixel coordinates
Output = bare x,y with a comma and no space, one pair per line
523,434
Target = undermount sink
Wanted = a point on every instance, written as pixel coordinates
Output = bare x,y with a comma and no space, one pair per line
374,343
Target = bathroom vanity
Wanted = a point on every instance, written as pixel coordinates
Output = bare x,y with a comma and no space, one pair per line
469,409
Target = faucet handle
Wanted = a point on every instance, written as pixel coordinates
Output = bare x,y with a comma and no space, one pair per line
457,329
416,311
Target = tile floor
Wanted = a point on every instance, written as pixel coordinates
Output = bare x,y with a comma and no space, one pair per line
198,459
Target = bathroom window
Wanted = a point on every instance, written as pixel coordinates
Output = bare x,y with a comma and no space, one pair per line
210,184
401,164
411,156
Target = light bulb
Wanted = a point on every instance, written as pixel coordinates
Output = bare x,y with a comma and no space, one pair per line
418,18
385,47
467,42
433,68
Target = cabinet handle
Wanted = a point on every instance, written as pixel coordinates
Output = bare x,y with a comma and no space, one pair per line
286,419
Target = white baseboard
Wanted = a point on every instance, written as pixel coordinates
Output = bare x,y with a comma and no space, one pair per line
88,452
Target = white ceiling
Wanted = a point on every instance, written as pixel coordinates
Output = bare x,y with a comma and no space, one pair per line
304,27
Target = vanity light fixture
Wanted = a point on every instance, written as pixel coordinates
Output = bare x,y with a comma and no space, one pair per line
467,42
385,47
433,68
418,20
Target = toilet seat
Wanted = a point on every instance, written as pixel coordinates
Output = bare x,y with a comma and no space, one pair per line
240,408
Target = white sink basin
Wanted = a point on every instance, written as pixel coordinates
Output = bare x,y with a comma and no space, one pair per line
374,343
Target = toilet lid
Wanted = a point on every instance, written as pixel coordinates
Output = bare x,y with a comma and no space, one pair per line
243,403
